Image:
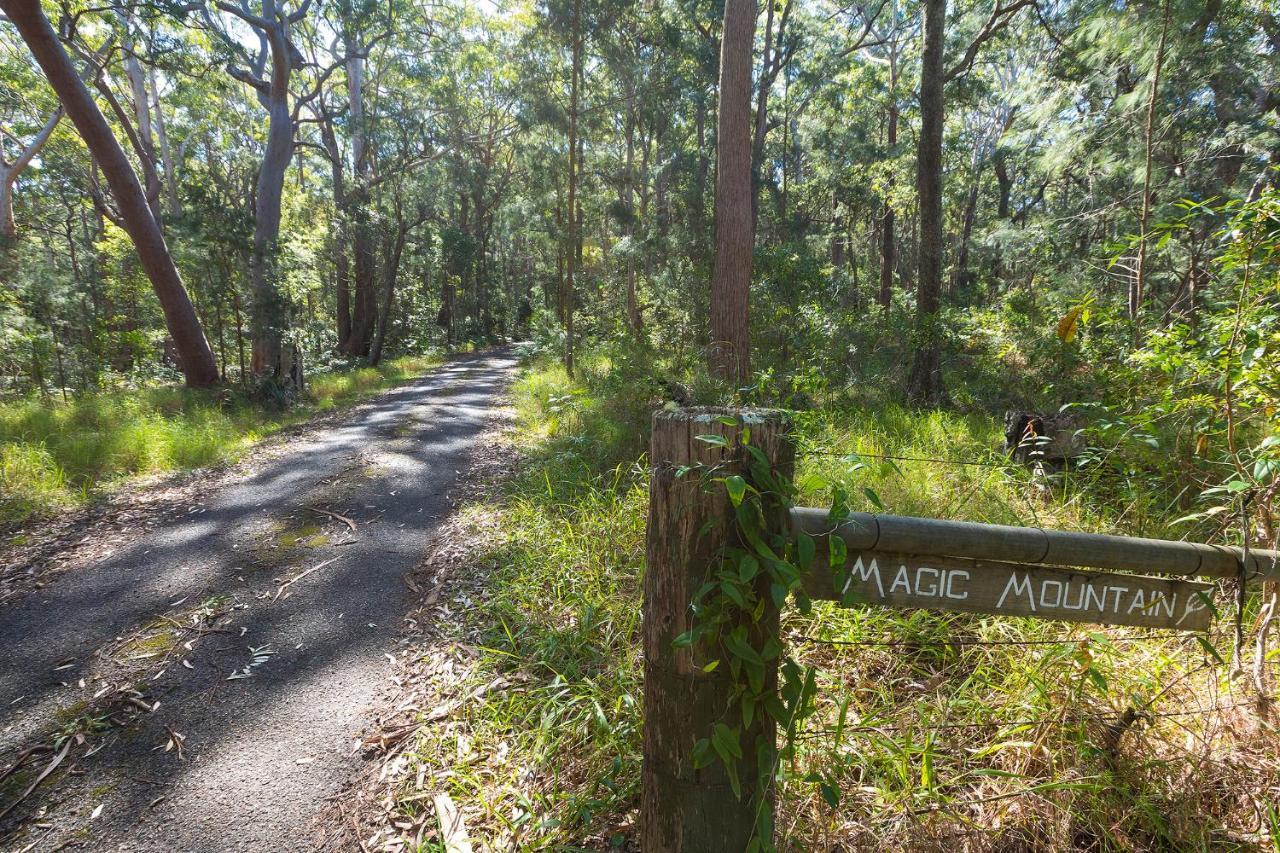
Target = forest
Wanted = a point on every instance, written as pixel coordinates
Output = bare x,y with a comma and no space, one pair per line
224,222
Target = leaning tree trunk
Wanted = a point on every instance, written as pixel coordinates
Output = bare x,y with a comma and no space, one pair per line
180,317
924,385
730,352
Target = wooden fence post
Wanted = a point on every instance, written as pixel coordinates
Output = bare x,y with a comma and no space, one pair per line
690,521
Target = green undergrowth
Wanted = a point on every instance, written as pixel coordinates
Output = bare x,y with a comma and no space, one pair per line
55,454
932,731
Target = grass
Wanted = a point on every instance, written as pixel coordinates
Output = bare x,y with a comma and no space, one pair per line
55,454
926,742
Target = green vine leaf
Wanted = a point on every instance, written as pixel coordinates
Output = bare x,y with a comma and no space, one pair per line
737,488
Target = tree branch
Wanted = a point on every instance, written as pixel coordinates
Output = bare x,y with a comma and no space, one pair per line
1001,15
30,151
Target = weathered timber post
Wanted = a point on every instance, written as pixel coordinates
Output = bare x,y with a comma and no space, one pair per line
691,520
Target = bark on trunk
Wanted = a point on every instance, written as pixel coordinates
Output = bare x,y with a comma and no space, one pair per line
924,386
391,272
270,313
1137,287
568,298
180,317
730,350
173,205
341,261
364,311
888,251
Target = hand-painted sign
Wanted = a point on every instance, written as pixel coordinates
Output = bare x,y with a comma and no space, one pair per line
1011,589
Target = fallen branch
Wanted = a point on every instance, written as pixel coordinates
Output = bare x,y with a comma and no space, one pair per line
347,521
44,774
26,754
291,581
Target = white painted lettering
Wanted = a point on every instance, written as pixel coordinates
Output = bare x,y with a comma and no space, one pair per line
933,584
1066,596
869,571
1018,585
1195,603
1119,591
951,579
901,579
1097,595
1160,600
1139,602
1044,590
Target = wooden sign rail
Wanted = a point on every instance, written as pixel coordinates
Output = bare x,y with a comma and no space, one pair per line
1009,589
891,561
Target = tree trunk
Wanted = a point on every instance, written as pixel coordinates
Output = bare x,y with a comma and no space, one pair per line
762,117
365,309
1138,284
8,227
730,351
888,251
960,274
924,386
364,306
698,214
634,319
166,155
142,115
269,317
273,357
391,272
568,299
1004,183
9,172
180,317
341,261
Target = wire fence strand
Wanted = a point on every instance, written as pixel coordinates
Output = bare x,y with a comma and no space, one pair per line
1061,719
805,638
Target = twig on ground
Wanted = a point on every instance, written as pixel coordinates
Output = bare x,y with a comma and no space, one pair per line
44,774
291,581
347,521
23,757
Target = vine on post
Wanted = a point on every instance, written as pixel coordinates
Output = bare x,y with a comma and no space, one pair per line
735,625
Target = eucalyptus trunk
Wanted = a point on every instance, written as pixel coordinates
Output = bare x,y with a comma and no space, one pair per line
273,356
924,386
730,351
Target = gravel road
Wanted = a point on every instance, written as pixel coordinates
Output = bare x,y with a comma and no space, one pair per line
262,755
